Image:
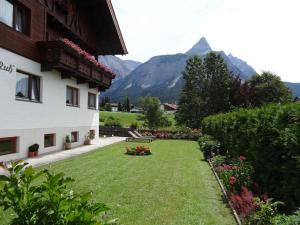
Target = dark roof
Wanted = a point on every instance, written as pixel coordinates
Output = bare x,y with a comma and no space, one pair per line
106,25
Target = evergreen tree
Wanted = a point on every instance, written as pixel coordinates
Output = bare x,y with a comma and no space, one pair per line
191,100
120,107
206,90
126,104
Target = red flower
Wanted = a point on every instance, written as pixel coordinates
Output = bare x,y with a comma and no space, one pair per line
232,180
242,158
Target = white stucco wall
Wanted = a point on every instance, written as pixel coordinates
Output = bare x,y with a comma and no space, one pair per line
30,121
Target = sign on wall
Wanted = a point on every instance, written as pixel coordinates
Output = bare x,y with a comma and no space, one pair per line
6,67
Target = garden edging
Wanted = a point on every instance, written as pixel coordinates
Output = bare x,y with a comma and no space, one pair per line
236,217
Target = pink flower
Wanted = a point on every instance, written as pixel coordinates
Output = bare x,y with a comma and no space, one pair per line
242,158
232,180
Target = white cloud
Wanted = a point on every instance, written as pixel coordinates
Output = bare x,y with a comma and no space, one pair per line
265,33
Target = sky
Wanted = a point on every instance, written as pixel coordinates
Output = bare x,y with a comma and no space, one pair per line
264,33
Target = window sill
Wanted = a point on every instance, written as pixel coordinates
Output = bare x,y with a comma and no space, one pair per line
27,100
92,108
7,153
75,106
49,146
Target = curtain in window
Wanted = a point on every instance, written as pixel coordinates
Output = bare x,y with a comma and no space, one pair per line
20,20
6,12
69,96
22,85
92,101
35,94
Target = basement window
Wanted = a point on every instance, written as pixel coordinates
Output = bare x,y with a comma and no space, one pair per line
74,136
49,140
8,145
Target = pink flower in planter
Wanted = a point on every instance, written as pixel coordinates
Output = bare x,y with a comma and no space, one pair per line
87,56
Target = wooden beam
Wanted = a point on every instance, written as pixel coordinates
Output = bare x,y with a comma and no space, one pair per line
81,81
65,75
93,85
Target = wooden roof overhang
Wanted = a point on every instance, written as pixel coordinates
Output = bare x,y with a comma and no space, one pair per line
103,17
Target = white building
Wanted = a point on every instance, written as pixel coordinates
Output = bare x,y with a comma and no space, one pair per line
43,100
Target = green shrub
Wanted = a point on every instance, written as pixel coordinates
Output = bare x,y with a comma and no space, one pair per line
264,213
112,122
270,139
42,198
287,220
208,146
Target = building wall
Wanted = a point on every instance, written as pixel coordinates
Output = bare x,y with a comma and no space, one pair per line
30,121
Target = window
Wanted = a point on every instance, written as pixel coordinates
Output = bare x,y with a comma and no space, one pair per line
72,96
21,19
15,15
49,140
28,87
92,101
6,12
74,136
8,145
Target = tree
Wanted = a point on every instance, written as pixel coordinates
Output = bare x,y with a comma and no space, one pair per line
191,100
104,101
153,114
126,104
206,90
268,88
120,107
240,93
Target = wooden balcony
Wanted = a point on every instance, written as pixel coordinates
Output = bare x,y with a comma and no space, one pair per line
59,56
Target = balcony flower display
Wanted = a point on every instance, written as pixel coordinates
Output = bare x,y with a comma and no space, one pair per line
86,56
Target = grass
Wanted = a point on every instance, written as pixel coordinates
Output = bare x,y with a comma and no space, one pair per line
127,119
174,186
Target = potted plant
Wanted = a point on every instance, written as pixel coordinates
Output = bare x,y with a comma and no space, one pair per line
33,150
68,144
88,139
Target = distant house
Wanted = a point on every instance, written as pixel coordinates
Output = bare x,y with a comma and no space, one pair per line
136,110
114,107
170,108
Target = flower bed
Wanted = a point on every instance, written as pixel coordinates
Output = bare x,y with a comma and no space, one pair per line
187,134
139,150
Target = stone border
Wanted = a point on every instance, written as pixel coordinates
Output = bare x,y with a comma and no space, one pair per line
236,216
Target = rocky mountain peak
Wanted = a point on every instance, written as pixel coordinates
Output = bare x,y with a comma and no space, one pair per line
202,47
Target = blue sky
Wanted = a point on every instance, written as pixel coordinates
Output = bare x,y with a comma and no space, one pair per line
265,33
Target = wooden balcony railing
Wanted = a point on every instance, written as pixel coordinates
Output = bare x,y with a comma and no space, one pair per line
59,56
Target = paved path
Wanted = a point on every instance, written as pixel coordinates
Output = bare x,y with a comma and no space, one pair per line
61,155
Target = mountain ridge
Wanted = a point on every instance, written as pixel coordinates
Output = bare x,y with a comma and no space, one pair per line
161,75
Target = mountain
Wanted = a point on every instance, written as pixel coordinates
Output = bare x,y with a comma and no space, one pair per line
295,88
201,48
120,67
161,76
242,65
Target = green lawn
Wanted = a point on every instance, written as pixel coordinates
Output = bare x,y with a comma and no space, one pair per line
172,186
127,119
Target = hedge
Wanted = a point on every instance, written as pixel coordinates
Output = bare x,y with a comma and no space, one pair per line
270,139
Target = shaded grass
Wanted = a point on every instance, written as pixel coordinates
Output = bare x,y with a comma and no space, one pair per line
172,186
127,119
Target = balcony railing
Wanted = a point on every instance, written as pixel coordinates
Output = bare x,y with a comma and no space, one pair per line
72,61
